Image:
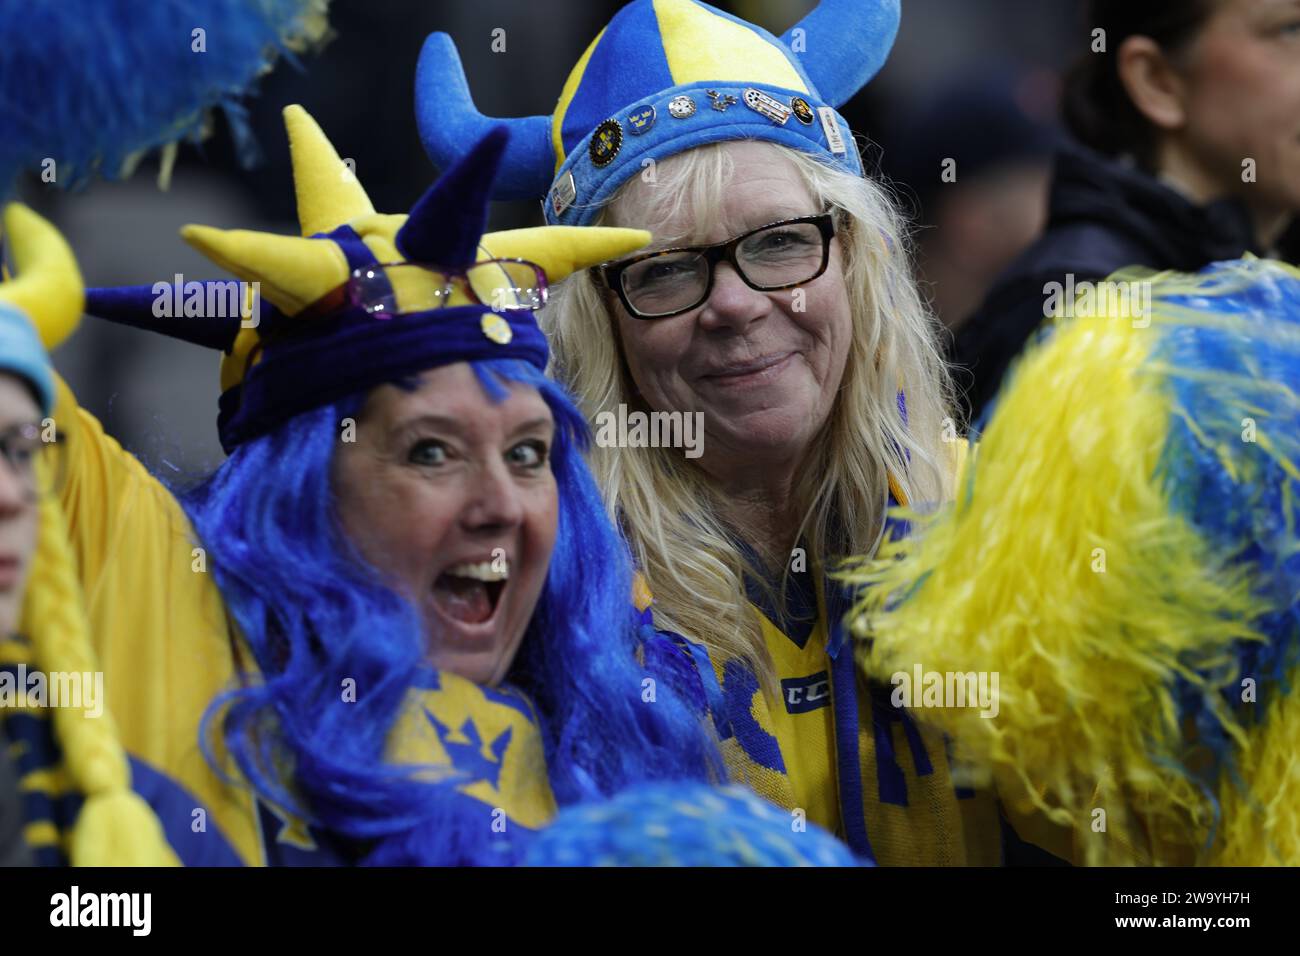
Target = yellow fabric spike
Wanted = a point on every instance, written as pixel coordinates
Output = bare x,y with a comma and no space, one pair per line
293,272
329,193
563,250
48,287
1087,621
115,826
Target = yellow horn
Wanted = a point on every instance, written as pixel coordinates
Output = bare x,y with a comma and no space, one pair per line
47,286
562,250
292,272
329,193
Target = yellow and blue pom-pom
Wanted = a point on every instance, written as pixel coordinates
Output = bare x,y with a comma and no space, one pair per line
92,85
684,824
1123,555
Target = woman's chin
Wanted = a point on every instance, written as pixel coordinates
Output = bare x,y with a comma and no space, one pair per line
478,654
769,434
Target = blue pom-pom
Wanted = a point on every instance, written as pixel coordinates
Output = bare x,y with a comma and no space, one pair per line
93,84
684,824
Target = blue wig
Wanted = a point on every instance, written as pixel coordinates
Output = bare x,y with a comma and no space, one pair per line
313,614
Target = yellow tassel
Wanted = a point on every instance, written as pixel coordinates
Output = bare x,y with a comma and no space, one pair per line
115,827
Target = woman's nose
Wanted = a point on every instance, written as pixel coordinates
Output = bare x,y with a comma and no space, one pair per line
15,494
731,303
494,498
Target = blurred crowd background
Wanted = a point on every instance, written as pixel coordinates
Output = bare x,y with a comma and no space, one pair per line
976,82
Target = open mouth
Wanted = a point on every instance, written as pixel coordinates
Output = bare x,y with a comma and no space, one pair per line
469,593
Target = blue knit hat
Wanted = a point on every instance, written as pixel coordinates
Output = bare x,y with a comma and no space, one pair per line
22,354
663,77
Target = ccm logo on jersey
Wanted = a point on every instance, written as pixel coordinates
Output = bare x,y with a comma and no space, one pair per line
803,694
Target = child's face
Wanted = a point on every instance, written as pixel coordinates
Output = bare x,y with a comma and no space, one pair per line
19,432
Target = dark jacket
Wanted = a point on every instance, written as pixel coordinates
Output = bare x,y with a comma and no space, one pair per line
1102,216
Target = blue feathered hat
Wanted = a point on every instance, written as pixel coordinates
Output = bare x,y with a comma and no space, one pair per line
302,330
663,77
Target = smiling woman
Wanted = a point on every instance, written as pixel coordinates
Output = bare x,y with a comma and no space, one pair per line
455,498
409,628
776,304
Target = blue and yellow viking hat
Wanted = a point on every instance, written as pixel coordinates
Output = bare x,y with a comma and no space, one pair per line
663,77
41,305
312,346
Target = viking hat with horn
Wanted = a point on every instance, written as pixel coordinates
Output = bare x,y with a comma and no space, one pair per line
319,341
41,305
663,77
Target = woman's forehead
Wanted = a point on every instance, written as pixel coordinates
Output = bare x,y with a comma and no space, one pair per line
17,403
455,392
713,199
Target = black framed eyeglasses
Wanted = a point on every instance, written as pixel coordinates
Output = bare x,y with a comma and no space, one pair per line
780,255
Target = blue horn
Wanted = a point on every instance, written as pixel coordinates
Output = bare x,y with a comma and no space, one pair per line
847,42
448,119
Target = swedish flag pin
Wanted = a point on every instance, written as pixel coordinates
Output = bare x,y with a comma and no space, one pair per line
606,142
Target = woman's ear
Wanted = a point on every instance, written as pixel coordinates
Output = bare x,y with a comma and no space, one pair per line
1152,82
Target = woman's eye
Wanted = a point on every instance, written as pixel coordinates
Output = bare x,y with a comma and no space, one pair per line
22,453
658,273
528,454
780,241
428,452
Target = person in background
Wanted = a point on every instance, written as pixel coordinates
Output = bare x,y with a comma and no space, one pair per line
19,418
977,158
65,793
1188,152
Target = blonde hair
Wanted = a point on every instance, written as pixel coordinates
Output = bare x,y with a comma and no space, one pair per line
668,508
